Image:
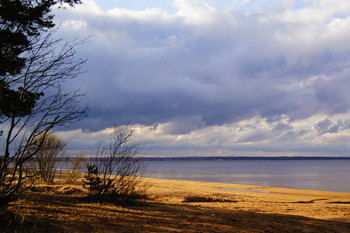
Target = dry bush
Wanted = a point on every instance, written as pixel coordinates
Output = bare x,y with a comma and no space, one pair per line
116,176
76,166
48,147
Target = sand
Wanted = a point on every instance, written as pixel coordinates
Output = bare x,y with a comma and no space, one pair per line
213,207
333,206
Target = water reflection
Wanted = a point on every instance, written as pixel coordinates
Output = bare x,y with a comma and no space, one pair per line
328,175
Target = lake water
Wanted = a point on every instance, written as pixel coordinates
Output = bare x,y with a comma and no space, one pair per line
326,175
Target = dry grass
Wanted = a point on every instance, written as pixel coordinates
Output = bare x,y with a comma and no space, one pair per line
215,198
61,208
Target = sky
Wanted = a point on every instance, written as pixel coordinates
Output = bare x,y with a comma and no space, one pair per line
214,78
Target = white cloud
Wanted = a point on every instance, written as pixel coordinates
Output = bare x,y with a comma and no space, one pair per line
74,24
88,8
329,135
196,12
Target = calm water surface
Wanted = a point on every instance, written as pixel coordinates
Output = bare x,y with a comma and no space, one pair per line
326,175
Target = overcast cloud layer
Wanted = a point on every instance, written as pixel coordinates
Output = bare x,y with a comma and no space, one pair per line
204,78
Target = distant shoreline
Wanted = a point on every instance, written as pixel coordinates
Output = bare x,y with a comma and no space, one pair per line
212,158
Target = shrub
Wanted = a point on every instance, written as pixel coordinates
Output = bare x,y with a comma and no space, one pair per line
76,166
116,177
48,147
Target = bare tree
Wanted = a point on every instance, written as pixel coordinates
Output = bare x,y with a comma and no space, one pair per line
46,158
119,170
49,64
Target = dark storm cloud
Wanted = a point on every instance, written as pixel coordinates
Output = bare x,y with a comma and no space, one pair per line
212,64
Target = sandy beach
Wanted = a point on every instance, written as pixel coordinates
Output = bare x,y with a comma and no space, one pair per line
333,206
182,206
